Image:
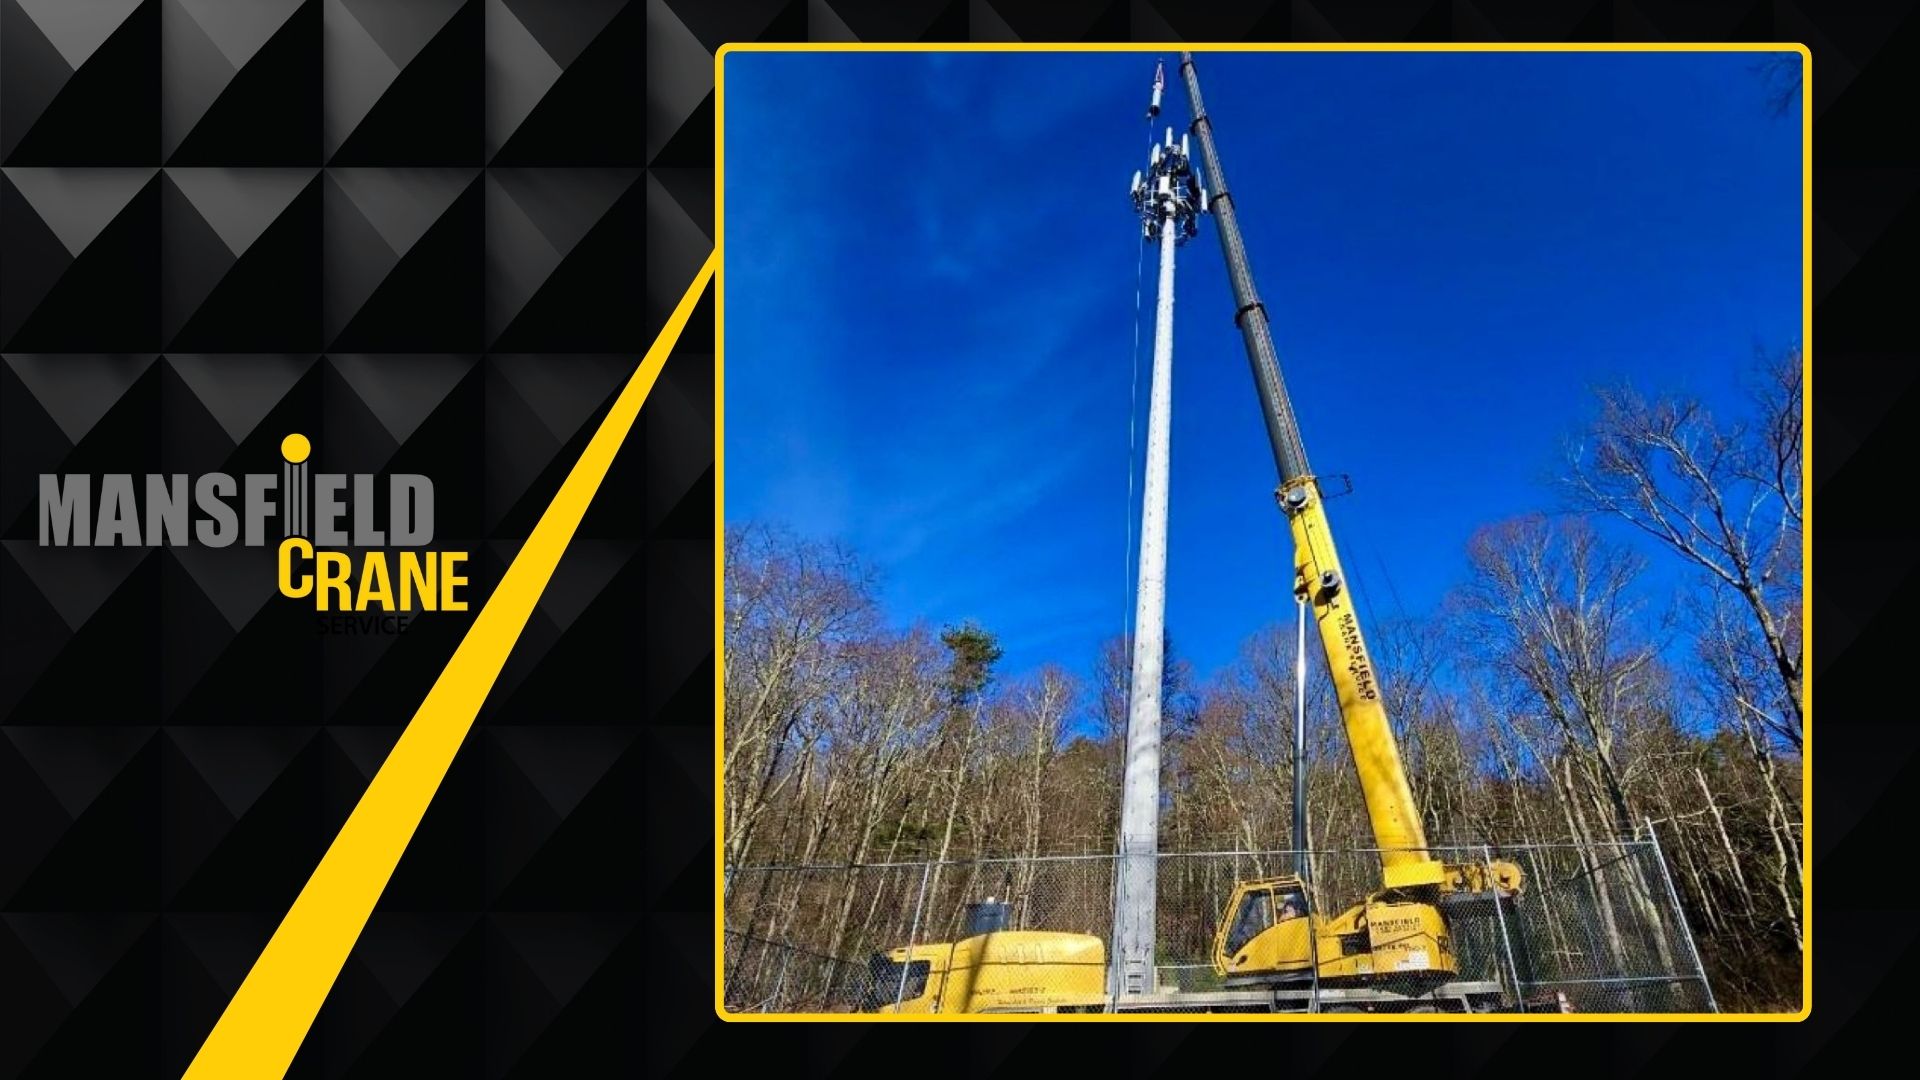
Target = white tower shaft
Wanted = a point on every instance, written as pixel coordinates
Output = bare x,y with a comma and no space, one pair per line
1140,811
1167,198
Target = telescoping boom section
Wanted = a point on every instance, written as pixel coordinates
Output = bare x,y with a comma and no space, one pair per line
1318,576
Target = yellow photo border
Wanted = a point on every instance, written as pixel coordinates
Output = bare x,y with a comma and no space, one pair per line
719,523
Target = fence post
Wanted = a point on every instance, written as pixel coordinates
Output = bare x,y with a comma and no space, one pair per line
1305,861
1500,916
779,982
1117,883
913,936
1686,932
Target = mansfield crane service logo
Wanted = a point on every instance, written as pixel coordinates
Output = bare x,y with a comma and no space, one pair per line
337,550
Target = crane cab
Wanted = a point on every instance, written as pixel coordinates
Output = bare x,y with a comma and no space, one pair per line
1270,935
1266,928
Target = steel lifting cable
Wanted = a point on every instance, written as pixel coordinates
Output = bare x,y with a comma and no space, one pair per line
1133,423
1129,570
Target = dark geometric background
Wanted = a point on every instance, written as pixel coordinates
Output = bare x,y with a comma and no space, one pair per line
433,236
147,858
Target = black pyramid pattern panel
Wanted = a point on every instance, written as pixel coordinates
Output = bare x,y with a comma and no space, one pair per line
240,82
402,260
416,231
240,256
555,71
82,267
404,82
79,82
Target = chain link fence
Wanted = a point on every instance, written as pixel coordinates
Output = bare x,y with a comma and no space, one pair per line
1594,929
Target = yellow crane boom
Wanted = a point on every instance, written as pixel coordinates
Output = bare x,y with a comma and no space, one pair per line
1267,932
1318,578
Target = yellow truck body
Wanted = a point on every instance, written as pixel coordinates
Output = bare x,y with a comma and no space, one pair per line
1001,971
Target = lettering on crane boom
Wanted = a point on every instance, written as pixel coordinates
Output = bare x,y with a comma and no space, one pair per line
1357,664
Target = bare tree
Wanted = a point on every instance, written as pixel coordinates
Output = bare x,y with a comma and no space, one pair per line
1783,75
790,606
1553,607
1537,709
1723,496
1730,677
1039,709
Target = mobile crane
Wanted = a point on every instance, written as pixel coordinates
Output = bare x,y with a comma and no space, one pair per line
1392,951
1399,930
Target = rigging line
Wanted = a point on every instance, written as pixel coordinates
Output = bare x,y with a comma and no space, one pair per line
1405,626
1364,607
1133,423
1128,570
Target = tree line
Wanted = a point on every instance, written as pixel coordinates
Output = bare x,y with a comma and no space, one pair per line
1559,694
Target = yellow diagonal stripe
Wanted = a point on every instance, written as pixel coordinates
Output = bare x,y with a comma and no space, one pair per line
268,1017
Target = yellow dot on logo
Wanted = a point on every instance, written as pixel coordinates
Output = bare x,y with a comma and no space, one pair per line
295,448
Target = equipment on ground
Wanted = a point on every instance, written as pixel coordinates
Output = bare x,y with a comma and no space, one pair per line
1003,971
992,969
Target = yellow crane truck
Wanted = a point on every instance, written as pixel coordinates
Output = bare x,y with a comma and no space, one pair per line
1392,951
1398,935
991,969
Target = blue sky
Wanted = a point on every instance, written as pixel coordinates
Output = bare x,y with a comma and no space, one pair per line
930,309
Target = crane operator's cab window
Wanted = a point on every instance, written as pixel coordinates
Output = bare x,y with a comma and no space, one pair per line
884,981
1259,910
1255,915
